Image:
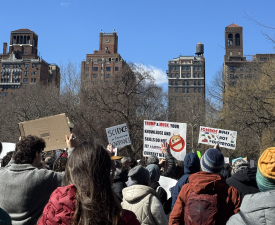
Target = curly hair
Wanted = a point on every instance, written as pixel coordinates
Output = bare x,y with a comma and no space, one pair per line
6,159
26,148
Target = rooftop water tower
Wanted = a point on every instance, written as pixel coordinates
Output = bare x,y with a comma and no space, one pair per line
199,49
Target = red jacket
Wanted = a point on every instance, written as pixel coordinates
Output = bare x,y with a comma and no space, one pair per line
61,207
229,198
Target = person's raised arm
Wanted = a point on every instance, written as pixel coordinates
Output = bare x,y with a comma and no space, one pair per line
71,143
170,160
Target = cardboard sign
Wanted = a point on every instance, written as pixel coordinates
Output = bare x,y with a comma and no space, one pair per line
156,132
226,159
212,136
52,129
252,163
167,183
118,135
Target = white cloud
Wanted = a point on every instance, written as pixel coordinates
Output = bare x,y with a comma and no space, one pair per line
65,4
159,74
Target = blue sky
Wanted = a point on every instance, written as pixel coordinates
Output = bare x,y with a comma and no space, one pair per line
150,31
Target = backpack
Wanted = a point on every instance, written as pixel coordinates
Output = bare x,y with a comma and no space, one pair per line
201,209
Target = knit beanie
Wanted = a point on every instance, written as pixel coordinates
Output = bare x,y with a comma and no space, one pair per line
139,175
239,164
266,170
212,161
154,172
152,159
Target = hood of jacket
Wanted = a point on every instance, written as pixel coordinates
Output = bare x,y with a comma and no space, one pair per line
246,175
122,177
191,163
204,182
137,192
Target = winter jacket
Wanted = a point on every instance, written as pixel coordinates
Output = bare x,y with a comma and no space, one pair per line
25,190
191,165
225,173
256,209
244,181
229,199
61,207
119,183
143,202
5,219
162,194
171,165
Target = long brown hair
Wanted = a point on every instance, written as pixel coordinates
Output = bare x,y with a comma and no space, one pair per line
88,168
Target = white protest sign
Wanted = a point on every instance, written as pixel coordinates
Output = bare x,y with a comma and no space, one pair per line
6,147
252,163
167,183
226,159
156,132
233,160
212,136
118,135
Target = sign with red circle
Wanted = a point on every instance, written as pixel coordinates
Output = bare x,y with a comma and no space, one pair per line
177,146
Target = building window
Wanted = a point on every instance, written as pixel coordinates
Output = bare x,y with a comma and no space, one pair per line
116,68
26,66
195,68
183,82
199,75
199,90
108,68
94,75
25,80
176,90
95,68
176,82
183,90
26,73
241,75
188,83
231,76
195,90
241,68
106,48
188,68
237,39
230,40
232,68
177,75
187,90
108,75
87,69
195,83
107,40
199,68
172,82
183,67
188,75
33,80
6,94
195,75
176,68
172,75
183,75
172,68
34,65
199,82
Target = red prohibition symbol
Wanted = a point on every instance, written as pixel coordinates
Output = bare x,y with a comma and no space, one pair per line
176,145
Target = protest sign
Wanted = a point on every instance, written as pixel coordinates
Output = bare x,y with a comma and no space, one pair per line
52,129
252,163
167,183
6,147
233,160
156,132
226,159
212,136
118,135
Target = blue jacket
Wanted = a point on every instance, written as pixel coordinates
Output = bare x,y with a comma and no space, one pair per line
191,165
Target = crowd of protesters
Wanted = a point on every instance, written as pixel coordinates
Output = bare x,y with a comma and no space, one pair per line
88,184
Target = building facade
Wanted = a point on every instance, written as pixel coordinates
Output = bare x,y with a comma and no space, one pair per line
21,65
104,63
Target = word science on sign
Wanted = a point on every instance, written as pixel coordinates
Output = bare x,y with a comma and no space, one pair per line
156,132
118,136
212,136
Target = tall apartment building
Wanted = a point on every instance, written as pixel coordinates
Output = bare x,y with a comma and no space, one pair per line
235,65
104,63
186,76
21,64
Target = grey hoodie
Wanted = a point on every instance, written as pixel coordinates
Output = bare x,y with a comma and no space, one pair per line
256,209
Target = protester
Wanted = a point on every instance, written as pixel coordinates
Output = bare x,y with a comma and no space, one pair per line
59,164
142,199
49,163
179,171
191,165
154,174
25,189
226,172
119,183
125,161
208,193
152,159
86,196
169,159
243,178
6,159
259,208
5,219
110,149
133,163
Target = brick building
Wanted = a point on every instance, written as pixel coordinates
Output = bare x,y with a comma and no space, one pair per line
21,65
104,63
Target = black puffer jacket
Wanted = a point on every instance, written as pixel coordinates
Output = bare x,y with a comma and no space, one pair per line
244,181
171,165
119,183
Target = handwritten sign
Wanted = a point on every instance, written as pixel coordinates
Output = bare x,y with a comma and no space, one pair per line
156,132
118,135
212,136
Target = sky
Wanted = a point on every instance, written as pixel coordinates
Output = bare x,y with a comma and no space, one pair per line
150,32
